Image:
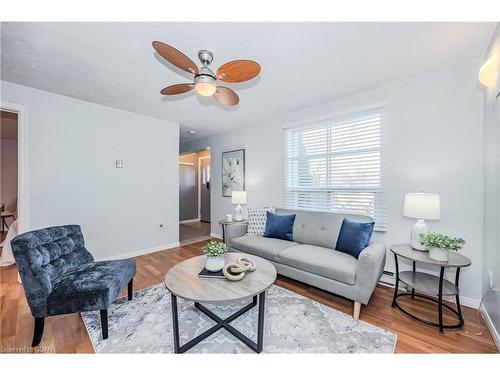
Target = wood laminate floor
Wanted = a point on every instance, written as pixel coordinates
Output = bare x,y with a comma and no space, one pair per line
67,334
193,230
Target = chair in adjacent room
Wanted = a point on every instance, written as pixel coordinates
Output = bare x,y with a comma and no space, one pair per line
60,276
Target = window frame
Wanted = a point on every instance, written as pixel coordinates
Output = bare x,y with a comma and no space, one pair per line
380,194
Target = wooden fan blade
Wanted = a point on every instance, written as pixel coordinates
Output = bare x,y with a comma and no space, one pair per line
238,71
177,89
176,57
226,96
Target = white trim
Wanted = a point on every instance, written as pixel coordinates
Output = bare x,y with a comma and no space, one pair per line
189,221
216,235
491,326
137,253
199,182
312,121
23,185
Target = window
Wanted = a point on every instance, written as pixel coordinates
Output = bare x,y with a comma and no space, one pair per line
337,165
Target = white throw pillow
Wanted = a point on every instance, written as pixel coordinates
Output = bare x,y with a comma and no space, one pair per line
257,218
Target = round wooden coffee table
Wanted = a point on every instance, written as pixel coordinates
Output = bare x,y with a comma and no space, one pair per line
182,281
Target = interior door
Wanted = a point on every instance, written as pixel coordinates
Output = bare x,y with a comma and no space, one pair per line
188,196
205,189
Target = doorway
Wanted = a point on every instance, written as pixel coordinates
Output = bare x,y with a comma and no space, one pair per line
194,196
8,183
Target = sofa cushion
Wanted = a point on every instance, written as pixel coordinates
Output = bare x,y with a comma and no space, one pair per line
318,228
321,261
279,226
354,237
267,248
257,218
92,286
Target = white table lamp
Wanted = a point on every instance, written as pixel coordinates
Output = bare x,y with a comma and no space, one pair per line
239,198
421,206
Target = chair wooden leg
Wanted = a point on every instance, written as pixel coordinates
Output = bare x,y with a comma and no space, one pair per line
38,331
357,309
104,324
130,289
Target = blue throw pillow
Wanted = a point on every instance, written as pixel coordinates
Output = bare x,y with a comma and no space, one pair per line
354,237
279,226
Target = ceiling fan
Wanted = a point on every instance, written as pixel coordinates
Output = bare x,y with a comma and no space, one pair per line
205,80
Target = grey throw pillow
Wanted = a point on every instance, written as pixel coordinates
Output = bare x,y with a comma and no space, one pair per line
257,218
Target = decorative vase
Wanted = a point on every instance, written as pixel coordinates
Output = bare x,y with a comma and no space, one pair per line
214,264
437,253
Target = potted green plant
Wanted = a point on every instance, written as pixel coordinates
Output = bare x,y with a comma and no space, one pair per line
440,245
215,255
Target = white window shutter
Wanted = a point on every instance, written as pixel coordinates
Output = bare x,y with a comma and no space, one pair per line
338,165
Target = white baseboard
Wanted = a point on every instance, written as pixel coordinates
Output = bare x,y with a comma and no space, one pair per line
189,221
388,281
143,251
216,235
491,326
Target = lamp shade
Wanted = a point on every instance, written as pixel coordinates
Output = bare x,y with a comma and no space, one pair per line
422,206
239,197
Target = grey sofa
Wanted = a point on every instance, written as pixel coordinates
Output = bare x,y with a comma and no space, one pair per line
311,258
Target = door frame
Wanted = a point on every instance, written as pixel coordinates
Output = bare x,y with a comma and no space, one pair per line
200,182
23,206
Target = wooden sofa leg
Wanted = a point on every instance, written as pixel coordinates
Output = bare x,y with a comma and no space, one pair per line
38,331
130,289
357,309
104,324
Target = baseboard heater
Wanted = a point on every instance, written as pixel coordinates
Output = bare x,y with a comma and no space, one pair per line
387,283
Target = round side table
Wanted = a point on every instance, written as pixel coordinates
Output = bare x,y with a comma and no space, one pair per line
225,223
424,285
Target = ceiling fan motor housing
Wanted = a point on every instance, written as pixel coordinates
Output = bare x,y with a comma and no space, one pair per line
205,75
205,56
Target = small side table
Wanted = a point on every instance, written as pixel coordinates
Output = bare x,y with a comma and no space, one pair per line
225,223
429,285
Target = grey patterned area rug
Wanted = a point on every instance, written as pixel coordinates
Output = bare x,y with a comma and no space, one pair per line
292,324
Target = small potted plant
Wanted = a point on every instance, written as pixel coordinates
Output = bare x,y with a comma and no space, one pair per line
440,245
215,255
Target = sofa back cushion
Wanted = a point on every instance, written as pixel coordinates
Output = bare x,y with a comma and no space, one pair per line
44,255
279,226
319,228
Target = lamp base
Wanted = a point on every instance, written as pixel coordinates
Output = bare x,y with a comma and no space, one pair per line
419,227
238,213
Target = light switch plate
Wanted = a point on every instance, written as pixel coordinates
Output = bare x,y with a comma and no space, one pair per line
119,163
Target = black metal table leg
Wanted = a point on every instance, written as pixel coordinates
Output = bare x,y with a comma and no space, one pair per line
260,324
413,289
221,323
396,286
175,322
440,300
457,299
223,233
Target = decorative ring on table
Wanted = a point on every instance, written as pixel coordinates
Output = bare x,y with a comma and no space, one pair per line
246,261
237,271
232,275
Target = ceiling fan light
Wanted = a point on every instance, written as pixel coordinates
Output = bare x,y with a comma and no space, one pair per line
205,88
205,83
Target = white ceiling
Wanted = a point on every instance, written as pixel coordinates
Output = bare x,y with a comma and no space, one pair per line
302,63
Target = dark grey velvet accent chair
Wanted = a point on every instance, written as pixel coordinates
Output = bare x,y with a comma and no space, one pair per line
60,276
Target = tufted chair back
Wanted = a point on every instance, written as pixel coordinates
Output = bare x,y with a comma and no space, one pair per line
44,255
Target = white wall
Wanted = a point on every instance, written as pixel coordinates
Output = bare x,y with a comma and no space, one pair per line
73,145
8,174
435,138
491,261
